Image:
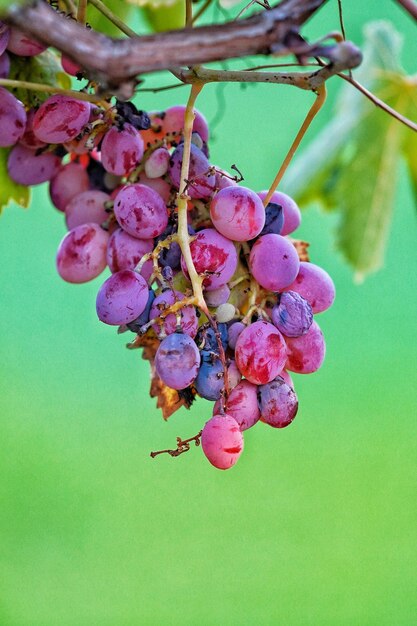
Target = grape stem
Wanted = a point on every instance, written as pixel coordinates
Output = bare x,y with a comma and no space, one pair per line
82,11
124,28
315,108
183,445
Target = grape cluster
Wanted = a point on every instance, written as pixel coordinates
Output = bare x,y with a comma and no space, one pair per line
115,172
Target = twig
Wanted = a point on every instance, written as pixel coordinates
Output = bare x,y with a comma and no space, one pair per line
183,445
201,10
188,13
409,6
320,100
82,11
112,17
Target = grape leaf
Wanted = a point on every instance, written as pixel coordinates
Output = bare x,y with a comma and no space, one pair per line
164,15
44,68
9,190
101,23
352,164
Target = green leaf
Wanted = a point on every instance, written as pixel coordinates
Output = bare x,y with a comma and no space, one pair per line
102,24
163,14
5,5
352,164
9,190
410,154
44,68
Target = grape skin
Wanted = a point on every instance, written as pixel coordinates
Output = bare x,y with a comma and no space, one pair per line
70,180
124,253
4,36
122,298
306,353
140,211
12,118
28,168
189,321
22,45
4,65
201,183
222,441
292,214
81,254
156,165
315,285
274,262
242,405
260,352
210,379
87,206
278,403
237,213
177,361
234,331
121,150
172,121
60,119
293,315
211,252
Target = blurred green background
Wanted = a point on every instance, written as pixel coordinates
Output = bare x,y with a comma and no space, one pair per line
316,525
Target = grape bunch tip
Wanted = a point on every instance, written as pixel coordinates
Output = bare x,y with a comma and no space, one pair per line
114,174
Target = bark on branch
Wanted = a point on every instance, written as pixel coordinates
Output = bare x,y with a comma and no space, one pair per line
115,61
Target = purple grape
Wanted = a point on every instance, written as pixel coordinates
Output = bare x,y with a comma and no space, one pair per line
4,65
206,338
122,298
287,378
4,37
274,219
274,262
29,139
81,254
218,296
293,315
237,213
12,118
124,253
144,317
201,183
278,403
157,184
69,181
292,214
242,404
87,206
189,321
233,333
22,45
177,361
222,441
121,150
60,118
26,167
234,375
140,211
214,254
210,379
260,352
315,285
306,353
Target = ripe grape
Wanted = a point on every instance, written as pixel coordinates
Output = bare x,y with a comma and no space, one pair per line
177,361
157,184
293,315
225,312
260,352
12,118
224,179
4,36
315,285
222,441
210,379
87,206
69,66
233,374
274,219
207,340
172,121
214,255
306,353
121,150
121,298
26,167
156,165
287,378
233,333
187,315
144,317
22,45
60,119
278,403
237,213
4,65
69,181
201,182
242,404
292,214
140,211
274,262
81,254
29,138
218,296
124,253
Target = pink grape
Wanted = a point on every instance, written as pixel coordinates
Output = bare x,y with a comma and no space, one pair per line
172,121
213,253
69,181
292,214
69,66
124,253
292,315
140,211
60,119
4,37
82,253
157,184
189,321
177,361
274,262
12,118
315,285
234,375
287,378
237,213
234,331
306,353
242,405
278,403
224,179
121,150
122,298
218,296
222,441
29,138
87,206
201,182
22,45
156,165
26,167
4,65
260,352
